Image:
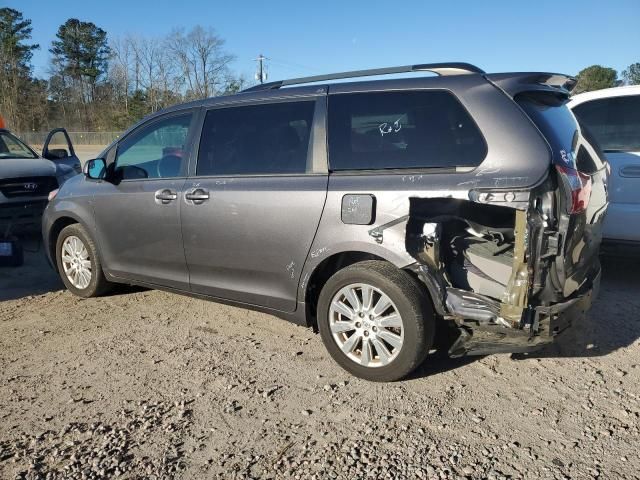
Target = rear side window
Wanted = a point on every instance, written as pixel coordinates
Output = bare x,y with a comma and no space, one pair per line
399,130
256,139
614,122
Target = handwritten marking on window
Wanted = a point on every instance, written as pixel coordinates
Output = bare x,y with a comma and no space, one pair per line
386,127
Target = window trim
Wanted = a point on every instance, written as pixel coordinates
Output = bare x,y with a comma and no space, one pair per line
430,170
317,137
195,120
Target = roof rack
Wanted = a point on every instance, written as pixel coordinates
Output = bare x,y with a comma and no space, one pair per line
449,68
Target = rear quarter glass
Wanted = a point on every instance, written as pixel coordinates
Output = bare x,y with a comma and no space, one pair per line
572,146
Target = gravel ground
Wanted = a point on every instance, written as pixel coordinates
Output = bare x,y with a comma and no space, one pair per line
146,384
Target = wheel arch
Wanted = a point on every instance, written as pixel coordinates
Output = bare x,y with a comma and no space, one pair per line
327,268
57,226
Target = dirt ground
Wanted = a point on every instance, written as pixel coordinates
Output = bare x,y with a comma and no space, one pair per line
146,384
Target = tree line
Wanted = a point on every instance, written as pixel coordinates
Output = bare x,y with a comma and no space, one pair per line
97,83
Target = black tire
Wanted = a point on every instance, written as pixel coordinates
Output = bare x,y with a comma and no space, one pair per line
98,285
412,303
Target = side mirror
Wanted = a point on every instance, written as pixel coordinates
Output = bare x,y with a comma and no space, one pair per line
95,169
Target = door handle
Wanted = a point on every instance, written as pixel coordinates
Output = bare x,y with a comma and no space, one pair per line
197,196
166,196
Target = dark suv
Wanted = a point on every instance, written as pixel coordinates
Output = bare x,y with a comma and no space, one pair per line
460,211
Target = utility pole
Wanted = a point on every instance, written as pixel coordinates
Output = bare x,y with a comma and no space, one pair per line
261,74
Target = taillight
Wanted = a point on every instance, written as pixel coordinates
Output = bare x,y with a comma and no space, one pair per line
578,188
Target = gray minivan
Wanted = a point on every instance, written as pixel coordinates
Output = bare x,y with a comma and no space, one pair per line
460,212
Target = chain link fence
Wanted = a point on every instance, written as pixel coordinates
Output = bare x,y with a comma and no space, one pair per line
77,138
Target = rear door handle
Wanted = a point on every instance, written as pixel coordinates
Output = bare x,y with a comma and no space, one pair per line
197,196
166,196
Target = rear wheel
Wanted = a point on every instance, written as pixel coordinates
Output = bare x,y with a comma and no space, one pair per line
78,263
375,321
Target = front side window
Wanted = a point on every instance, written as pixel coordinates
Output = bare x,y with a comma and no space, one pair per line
614,122
11,147
256,139
158,150
400,130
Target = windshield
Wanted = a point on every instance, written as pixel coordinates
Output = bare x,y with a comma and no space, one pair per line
11,147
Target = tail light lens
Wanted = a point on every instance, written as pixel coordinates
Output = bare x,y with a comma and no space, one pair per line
578,188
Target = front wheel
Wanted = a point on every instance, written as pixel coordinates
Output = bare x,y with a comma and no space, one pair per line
375,321
78,263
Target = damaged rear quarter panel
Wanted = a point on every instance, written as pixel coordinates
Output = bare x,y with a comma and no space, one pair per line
518,158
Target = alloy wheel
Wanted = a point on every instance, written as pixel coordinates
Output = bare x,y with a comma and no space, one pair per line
76,262
366,325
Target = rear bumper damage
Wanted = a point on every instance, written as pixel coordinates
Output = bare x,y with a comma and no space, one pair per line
486,336
499,274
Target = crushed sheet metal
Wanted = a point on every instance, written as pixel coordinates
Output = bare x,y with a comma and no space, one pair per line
514,300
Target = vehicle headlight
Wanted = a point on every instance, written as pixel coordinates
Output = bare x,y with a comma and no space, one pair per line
52,194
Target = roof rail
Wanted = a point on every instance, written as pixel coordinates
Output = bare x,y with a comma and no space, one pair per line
448,68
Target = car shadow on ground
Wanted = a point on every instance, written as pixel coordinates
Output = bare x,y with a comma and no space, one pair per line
34,277
613,321
611,324
436,364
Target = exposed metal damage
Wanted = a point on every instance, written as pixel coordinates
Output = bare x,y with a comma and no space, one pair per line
477,257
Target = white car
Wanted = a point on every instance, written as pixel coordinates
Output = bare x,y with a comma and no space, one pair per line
612,116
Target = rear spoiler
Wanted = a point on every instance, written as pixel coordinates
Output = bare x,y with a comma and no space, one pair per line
516,83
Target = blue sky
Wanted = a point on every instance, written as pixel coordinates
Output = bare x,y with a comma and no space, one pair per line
305,38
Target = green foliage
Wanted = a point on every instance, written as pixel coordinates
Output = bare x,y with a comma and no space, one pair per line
632,74
138,106
16,84
595,77
94,85
14,31
80,62
234,85
81,50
